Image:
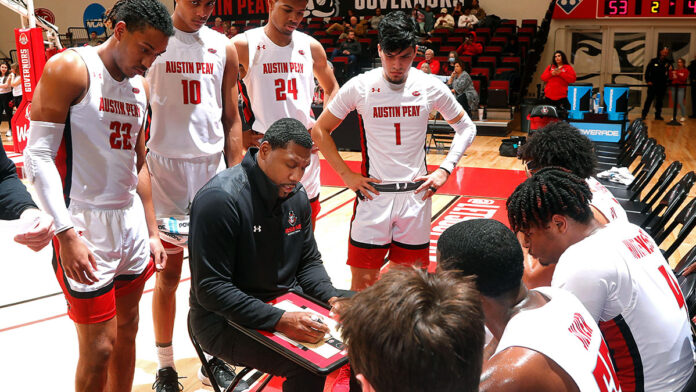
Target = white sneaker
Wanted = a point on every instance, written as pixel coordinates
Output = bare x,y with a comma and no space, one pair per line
682,119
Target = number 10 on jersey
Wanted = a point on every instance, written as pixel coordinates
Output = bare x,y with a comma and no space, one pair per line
192,91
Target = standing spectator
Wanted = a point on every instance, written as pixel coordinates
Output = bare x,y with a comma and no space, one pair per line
445,21
218,26
657,76
477,10
430,60
5,93
232,31
470,47
374,21
16,84
463,87
429,18
557,76
349,47
467,20
692,79
679,78
457,11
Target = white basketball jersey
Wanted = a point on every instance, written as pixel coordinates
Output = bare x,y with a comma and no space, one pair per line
186,95
280,79
623,280
605,202
394,120
564,332
97,158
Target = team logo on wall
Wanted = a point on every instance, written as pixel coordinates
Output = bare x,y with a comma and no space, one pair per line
321,8
23,39
568,5
93,18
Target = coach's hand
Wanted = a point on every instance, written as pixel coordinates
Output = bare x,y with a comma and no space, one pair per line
37,229
432,182
159,255
356,182
77,261
299,326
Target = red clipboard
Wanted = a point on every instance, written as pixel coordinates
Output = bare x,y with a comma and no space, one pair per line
322,360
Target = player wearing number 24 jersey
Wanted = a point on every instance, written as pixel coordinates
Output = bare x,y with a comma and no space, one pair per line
616,271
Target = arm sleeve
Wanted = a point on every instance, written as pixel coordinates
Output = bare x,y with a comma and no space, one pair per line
589,281
464,129
569,74
42,147
546,75
311,274
212,246
344,101
14,198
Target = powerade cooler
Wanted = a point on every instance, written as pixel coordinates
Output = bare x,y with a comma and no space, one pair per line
616,101
579,95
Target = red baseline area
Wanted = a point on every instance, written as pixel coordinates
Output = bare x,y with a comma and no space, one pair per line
464,181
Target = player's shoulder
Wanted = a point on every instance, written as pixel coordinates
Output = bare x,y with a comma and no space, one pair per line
69,66
366,80
428,81
515,369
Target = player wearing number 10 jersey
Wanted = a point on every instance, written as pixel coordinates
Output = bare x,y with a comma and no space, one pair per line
394,102
278,65
616,271
195,133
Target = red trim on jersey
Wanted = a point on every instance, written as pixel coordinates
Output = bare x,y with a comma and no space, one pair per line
316,207
624,352
148,122
372,258
365,166
63,161
246,104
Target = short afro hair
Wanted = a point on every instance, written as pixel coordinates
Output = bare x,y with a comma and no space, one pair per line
485,248
138,14
550,191
287,130
396,32
560,144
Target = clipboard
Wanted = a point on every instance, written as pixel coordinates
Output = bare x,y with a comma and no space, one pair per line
322,358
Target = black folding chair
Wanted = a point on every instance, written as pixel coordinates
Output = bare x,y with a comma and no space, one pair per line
668,206
635,203
687,219
646,167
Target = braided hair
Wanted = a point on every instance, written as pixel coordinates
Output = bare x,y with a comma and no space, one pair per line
550,191
138,14
560,144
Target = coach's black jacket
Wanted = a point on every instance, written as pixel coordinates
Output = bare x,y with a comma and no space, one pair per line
248,246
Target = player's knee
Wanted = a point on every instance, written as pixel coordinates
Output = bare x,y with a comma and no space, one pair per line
168,280
128,325
96,356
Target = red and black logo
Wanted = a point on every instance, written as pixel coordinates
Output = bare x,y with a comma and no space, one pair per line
292,220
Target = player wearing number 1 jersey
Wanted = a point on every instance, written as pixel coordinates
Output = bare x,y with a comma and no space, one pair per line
544,339
278,65
84,152
195,133
393,102
616,271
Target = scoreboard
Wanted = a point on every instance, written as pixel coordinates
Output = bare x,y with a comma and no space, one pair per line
646,9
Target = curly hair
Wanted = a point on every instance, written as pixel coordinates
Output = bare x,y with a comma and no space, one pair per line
550,191
287,130
138,14
560,144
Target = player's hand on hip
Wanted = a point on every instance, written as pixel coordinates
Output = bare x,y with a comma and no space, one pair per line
251,139
356,182
302,327
159,255
36,229
432,182
77,261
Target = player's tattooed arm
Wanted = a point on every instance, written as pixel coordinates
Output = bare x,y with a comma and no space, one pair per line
231,122
323,72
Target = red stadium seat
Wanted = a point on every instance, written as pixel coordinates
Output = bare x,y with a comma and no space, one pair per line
481,71
498,94
326,42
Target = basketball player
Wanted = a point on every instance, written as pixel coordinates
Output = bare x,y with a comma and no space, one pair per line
616,271
87,115
544,339
195,133
394,102
561,144
278,65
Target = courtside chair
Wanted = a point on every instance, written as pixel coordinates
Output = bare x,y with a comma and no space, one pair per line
648,171
687,219
646,203
666,208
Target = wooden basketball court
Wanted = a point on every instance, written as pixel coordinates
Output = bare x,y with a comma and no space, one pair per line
38,341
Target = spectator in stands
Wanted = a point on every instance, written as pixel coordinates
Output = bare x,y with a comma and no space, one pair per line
557,76
470,47
448,67
657,77
425,67
16,84
351,48
522,356
444,348
5,93
692,80
93,39
457,11
429,17
445,21
353,23
463,87
467,20
477,10
617,271
679,78
232,31
218,26
430,60
225,27
374,21
512,47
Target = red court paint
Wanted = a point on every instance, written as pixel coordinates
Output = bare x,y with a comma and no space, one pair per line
470,181
464,209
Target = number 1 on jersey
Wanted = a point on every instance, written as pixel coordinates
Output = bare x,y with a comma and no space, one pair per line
397,131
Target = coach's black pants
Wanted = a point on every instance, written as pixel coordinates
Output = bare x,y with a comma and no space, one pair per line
656,92
693,100
5,109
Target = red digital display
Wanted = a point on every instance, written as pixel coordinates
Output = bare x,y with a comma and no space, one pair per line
646,8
